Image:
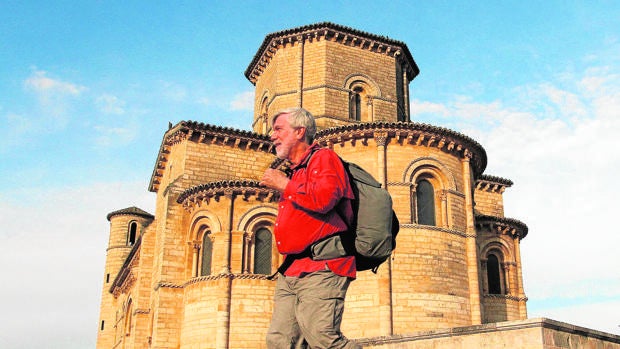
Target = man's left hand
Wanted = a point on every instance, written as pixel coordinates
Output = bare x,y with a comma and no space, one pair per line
274,179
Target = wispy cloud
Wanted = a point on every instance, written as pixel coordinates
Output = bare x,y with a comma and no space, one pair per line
243,101
41,83
205,101
110,104
114,136
54,96
173,91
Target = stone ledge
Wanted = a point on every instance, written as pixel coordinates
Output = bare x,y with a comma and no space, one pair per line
496,336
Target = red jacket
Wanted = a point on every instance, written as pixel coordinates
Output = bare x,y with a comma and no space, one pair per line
307,211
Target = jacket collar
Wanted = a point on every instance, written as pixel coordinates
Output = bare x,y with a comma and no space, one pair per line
306,156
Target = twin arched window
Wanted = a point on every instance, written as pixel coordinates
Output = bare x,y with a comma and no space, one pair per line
261,253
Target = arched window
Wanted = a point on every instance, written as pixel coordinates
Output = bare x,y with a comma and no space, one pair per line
207,253
355,103
132,232
425,202
262,251
494,275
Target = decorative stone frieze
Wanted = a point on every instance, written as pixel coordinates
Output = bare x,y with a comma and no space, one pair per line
493,184
418,134
214,277
195,196
501,225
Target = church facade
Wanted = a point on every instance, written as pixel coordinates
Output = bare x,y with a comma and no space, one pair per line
193,274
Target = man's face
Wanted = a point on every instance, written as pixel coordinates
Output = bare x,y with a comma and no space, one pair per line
284,137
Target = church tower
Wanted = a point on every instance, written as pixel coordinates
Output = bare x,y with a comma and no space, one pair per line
341,74
126,228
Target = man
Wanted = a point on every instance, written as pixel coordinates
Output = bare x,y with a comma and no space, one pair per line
315,202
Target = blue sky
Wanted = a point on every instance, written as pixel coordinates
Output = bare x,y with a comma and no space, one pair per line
88,88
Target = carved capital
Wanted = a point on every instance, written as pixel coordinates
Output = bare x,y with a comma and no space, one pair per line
381,138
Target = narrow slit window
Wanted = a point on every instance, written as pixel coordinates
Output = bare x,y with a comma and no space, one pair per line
131,234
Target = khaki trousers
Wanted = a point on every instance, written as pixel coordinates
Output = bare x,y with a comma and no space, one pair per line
308,312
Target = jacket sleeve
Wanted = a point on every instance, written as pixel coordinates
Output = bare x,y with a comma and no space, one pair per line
324,184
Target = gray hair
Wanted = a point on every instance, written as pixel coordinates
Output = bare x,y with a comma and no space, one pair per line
299,117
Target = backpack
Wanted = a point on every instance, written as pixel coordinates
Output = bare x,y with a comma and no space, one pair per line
372,236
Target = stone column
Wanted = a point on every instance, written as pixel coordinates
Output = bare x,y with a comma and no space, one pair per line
371,109
247,244
519,292
222,339
195,250
473,273
444,209
384,274
300,39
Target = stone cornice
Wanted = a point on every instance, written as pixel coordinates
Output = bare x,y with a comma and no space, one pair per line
502,225
504,297
493,183
204,133
410,133
333,32
203,193
434,228
214,277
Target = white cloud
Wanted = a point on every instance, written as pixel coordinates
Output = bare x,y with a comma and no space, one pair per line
243,101
424,107
52,252
205,101
114,136
54,96
110,104
41,83
173,91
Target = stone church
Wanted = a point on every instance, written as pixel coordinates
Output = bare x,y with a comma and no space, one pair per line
193,274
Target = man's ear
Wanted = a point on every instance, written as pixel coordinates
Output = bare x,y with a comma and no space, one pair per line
300,133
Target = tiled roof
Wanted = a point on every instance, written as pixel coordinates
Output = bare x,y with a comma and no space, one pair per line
516,226
495,179
131,211
325,29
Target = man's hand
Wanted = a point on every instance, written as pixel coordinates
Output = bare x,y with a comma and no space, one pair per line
274,179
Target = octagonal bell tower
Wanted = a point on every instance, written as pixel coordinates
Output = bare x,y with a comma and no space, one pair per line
341,75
